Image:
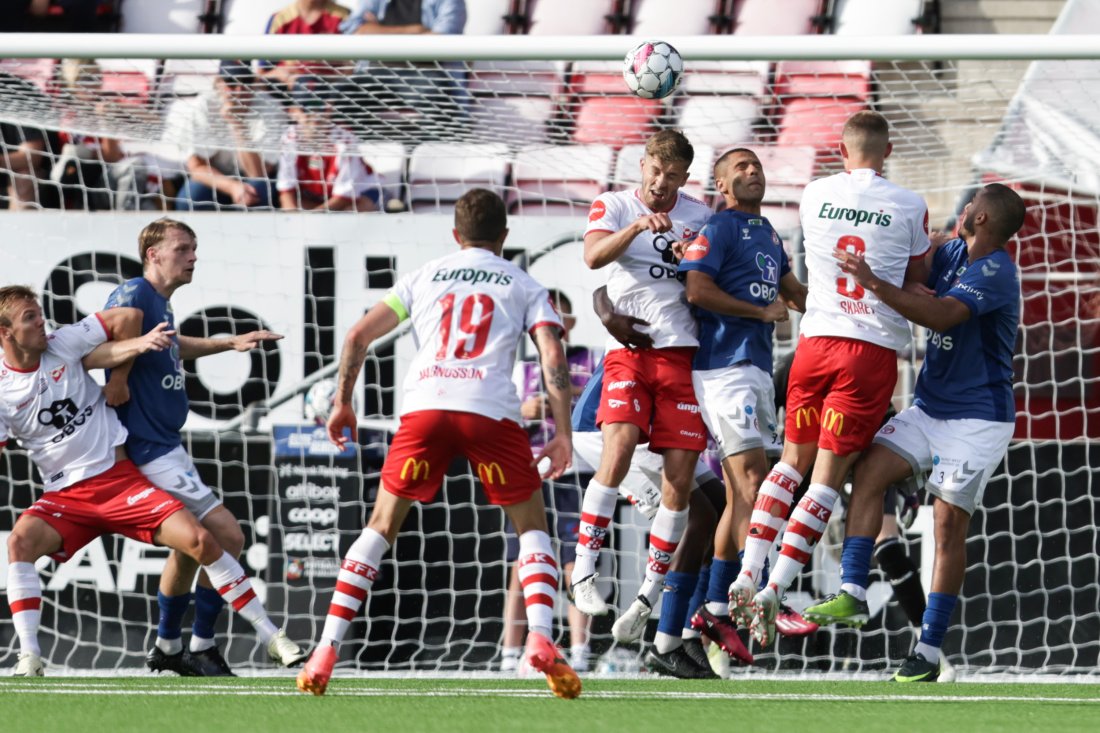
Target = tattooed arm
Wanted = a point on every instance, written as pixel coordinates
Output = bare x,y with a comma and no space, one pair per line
559,392
378,321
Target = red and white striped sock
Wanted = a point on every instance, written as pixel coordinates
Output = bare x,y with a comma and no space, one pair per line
538,574
769,514
357,574
25,601
807,524
664,536
228,578
597,508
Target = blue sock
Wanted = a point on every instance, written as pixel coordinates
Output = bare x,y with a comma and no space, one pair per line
172,608
208,604
702,582
674,602
722,573
937,615
855,560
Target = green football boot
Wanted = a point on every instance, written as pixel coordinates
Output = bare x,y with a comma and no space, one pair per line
839,608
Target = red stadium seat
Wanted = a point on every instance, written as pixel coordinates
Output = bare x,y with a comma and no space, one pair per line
570,17
39,72
489,17
769,18
787,171
817,123
876,18
617,121
823,78
661,18
727,77
719,121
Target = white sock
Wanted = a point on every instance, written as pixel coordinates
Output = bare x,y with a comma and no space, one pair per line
228,578
597,508
538,575
25,601
353,582
666,642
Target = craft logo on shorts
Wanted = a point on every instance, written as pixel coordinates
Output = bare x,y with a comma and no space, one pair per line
418,468
833,421
487,472
698,249
806,417
597,212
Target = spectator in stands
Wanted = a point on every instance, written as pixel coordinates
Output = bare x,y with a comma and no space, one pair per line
219,176
302,18
319,167
94,167
25,153
436,92
562,497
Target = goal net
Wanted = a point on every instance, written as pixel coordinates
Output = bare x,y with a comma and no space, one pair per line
94,150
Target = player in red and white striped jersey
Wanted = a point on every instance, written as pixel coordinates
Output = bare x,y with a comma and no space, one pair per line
845,366
468,310
647,392
50,403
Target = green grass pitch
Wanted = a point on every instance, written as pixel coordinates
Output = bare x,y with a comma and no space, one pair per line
272,705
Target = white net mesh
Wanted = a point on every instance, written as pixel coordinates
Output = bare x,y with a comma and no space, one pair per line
548,136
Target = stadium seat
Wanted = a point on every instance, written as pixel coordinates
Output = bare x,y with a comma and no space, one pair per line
719,121
439,173
388,160
186,77
130,80
817,123
166,16
823,78
526,119
876,18
700,182
39,72
661,18
769,18
727,77
488,17
616,121
510,78
569,17
786,169
561,179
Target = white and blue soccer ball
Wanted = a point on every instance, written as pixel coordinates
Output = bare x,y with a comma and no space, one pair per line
318,401
653,69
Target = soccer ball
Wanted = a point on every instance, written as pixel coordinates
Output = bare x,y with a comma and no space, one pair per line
318,405
653,69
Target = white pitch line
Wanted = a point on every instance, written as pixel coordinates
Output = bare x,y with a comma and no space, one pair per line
227,691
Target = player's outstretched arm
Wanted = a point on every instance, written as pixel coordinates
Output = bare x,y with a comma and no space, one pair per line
702,292
938,314
113,353
121,323
192,347
559,393
621,327
378,321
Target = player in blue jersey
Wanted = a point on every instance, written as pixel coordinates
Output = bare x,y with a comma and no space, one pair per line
151,402
961,422
740,283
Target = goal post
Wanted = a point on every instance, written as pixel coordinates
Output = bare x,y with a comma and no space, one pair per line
548,123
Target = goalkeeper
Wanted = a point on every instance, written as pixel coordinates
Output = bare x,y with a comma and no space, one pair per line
962,419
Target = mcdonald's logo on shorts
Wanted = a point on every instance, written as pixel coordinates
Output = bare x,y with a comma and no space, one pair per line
486,472
806,417
833,421
418,468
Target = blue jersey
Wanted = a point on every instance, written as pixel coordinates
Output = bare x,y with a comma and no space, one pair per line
584,411
158,403
967,370
745,258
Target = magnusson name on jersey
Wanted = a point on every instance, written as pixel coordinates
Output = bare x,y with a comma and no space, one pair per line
858,216
472,275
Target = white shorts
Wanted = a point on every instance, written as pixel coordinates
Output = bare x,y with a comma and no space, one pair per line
645,466
175,473
738,406
961,455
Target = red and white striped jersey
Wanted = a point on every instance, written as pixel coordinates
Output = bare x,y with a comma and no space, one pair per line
643,281
469,311
861,212
58,412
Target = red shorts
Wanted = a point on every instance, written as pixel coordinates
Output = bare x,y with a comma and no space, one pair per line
118,501
838,393
499,452
652,388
